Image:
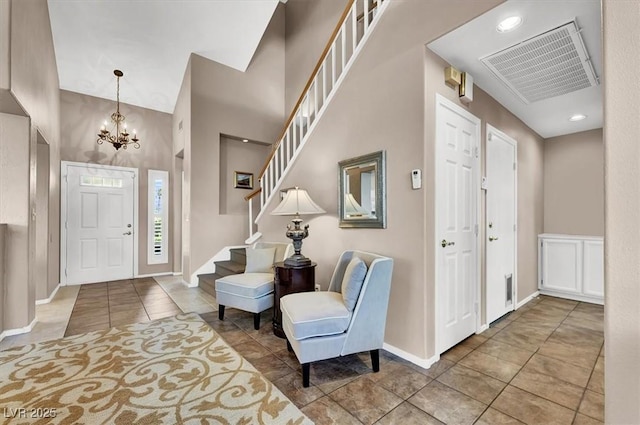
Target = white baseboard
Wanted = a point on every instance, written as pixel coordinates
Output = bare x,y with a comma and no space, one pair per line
526,300
482,328
177,273
190,284
18,331
423,363
575,297
48,300
153,275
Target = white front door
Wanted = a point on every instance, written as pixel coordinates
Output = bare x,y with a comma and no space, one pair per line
457,151
501,224
99,224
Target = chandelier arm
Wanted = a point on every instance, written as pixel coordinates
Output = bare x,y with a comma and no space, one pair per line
121,138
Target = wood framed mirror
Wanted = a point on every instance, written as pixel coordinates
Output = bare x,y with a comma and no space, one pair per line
362,191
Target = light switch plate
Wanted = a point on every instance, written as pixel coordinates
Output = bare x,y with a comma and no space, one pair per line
416,179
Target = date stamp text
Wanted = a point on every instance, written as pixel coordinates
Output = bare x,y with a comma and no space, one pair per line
28,413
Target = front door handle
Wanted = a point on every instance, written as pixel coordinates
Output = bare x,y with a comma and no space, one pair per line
492,238
445,244
127,233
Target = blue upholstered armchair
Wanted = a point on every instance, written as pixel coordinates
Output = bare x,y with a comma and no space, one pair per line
348,318
252,290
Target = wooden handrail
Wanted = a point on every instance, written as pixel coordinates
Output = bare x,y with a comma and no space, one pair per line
253,194
325,52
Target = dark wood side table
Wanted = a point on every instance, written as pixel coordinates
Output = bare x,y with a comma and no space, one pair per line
289,280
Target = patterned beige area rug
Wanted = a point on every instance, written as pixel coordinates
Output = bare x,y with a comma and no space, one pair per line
170,371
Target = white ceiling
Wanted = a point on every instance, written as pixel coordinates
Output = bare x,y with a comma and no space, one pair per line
464,47
150,41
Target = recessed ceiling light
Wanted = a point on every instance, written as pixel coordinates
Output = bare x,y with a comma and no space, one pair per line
577,117
245,140
509,24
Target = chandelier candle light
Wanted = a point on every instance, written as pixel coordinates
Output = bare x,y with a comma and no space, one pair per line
297,202
121,138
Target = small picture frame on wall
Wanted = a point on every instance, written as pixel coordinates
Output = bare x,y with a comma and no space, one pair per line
243,180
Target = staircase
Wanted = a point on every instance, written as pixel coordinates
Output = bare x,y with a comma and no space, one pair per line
350,35
236,265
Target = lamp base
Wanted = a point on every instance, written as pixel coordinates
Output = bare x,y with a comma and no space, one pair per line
297,260
297,234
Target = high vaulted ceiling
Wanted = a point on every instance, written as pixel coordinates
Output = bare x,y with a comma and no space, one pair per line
465,46
150,41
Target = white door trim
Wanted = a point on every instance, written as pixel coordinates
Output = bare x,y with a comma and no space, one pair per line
441,100
492,130
64,170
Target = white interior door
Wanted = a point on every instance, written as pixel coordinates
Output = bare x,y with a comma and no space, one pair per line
99,224
457,142
501,224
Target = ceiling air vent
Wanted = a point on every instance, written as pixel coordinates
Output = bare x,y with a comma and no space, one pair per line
548,65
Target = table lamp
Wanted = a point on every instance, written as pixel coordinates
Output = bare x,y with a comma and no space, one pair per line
297,202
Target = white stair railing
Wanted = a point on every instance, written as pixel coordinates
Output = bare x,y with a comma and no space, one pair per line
357,21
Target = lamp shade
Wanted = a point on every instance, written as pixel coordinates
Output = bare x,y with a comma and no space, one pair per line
297,202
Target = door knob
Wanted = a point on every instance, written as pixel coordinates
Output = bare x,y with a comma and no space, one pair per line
127,233
491,238
444,243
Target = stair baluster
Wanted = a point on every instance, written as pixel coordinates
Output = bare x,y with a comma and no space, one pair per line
310,105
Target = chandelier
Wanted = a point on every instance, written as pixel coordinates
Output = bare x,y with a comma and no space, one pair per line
121,138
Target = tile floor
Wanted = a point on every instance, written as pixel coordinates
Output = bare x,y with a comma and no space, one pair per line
53,319
105,305
543,364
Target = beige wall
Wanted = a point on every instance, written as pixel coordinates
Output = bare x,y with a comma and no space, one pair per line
530,184
34,82
80,120
43,289
621,46
309,25
14,211
389,116
5,45
181,135
29,79
3,234
176,210
238,156
225,101
574,184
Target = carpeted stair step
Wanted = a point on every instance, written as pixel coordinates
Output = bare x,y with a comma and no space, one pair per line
207,282
225,268
239,255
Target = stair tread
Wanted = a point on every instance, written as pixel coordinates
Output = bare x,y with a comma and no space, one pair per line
207,282
208,287
210,277
231,266
239,255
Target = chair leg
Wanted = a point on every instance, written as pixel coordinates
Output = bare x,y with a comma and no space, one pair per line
289,347
375,360
221,312
306,368
256,321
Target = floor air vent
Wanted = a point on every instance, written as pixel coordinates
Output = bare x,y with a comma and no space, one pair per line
508,279
548,65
